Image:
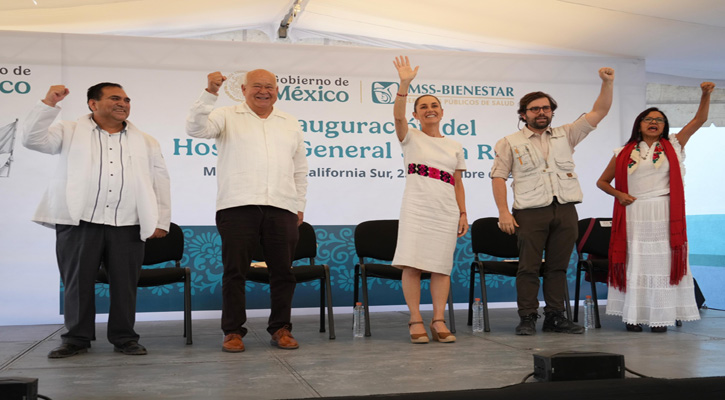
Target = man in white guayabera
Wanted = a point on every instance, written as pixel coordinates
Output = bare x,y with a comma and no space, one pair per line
262,183
109,193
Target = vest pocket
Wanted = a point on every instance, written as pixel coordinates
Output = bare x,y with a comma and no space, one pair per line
565,165
529,189
522,156
569,189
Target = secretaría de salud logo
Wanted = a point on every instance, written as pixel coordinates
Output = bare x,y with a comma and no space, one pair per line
384,92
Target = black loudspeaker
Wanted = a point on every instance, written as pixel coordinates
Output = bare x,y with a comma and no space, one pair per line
575,366
18,389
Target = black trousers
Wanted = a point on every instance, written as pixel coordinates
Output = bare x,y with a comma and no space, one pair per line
80,251
242,229
552,228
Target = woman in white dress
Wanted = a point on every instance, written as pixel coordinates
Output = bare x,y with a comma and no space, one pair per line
650,281
433,213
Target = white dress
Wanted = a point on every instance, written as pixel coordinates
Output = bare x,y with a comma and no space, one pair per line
429,214
649,298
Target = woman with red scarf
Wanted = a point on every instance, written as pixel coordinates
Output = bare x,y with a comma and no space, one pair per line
649,279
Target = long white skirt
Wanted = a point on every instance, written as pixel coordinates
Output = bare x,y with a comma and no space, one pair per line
650,299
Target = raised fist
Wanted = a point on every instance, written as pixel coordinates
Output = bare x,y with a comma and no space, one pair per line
707,87
606,73
214,82
55,94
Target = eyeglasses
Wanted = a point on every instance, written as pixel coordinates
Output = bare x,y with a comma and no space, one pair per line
649,120
536,110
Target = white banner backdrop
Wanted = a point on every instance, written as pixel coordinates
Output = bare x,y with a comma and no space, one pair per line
342,96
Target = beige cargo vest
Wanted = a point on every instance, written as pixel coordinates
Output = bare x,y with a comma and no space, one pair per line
536,180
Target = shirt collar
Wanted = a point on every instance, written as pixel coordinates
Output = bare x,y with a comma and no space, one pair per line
243,108
122,131
529,133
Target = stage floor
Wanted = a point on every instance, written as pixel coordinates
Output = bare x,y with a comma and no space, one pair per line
384,363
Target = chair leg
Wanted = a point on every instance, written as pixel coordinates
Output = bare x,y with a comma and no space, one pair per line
330,318
356,289
471,284
577,289
187,306
364,279
484,299
451,314
356,285
593,282
322,305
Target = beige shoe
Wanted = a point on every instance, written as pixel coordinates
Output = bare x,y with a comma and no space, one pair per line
443,337
418,338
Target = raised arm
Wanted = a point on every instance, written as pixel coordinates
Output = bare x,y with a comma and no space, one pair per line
199,123
605,183
701,115
39,133
406,74
604,101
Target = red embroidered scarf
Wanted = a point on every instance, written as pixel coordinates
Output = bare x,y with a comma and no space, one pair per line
678,229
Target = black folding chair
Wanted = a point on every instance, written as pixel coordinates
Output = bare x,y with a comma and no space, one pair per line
306,248
167,248
593,249
488,240
377,240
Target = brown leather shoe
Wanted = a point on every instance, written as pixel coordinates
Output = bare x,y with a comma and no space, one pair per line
284,339
233,343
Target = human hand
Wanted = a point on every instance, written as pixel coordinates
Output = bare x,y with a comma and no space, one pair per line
462,225
507,223
158,234
55,94
405,72
625,199
707,87
607,74
300,217
214,82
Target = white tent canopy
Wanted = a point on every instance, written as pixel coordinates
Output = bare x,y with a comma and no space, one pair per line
674,37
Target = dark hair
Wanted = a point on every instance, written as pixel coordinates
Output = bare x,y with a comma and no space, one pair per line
415,105
637,132
95,92
527,99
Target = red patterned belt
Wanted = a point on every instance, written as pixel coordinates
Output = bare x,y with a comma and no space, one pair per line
435,173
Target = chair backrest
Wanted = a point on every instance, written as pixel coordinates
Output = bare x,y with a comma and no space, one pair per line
376,239
597,239
167,248
487,238
306,245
